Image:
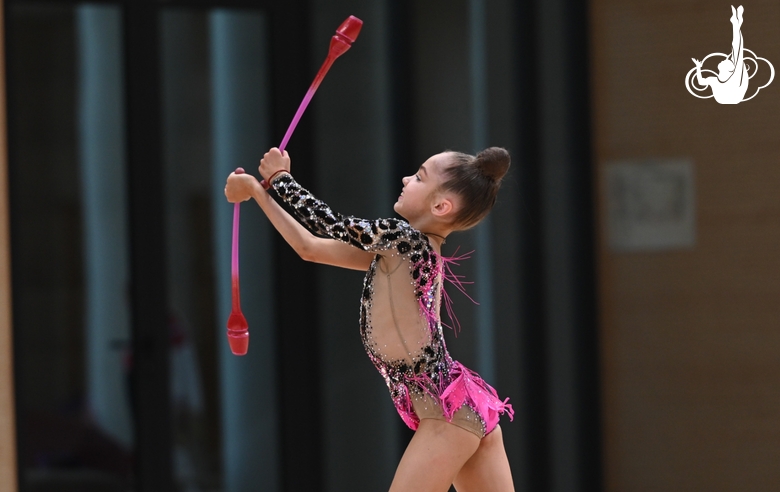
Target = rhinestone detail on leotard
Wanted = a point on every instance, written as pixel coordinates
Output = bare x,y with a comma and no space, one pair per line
430,369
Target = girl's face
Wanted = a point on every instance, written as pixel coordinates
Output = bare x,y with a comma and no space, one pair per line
419,190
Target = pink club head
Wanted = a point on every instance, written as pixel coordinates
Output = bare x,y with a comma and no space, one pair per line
239,344
346,34
350,28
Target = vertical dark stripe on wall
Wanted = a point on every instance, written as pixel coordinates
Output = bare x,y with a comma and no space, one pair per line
147,250
566,261
399,31
536,424
298,343
14,223
584,251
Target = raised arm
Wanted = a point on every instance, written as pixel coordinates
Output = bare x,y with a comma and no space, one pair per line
241,187
702,81
383,236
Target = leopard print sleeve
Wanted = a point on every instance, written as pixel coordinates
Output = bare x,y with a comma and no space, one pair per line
369,235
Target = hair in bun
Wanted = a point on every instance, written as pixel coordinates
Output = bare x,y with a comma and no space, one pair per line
476,179
493,162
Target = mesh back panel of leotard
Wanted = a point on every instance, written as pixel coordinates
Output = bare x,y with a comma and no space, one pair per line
402,337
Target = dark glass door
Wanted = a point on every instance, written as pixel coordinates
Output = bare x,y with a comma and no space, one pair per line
70,247
124,120
216,117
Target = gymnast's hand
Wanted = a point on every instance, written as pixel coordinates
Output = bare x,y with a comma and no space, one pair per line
273,162
240,187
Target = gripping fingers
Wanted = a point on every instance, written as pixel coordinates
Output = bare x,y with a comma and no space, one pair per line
238,187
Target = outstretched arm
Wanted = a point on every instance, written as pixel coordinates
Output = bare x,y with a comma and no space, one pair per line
382,236
241,187
701,80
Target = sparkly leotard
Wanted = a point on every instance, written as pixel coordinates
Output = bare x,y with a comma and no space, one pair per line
400,324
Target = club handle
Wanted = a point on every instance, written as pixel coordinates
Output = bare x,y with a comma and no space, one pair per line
346,34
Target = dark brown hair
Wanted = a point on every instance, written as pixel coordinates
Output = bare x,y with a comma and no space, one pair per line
476,179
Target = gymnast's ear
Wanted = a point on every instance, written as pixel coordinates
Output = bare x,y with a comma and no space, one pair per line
443,207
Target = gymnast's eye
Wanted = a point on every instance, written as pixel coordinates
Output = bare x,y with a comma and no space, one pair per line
417,177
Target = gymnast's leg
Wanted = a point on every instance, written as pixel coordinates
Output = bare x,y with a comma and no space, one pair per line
488,469
434,456
737,43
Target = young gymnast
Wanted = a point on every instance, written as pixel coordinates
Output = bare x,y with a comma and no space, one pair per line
453,411
731,84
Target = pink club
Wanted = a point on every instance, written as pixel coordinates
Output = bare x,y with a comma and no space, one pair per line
237,327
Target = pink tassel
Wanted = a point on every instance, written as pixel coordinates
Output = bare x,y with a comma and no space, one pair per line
454,278
468,387
458,281
465,386
406,411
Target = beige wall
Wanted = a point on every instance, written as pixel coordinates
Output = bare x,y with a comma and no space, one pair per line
690,339
7,428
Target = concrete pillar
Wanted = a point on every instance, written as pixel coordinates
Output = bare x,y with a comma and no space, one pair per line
563,211
352,121
101,134
483,256
241,129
